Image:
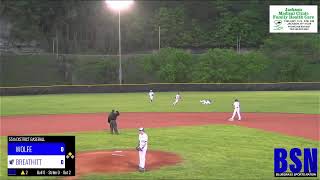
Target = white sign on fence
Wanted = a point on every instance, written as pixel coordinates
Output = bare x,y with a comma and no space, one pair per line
293,19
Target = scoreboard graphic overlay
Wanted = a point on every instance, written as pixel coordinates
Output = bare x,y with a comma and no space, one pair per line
41,156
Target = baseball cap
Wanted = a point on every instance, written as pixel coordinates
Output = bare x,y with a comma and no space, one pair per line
141,129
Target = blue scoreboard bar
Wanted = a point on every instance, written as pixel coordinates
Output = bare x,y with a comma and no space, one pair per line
35,148
41,156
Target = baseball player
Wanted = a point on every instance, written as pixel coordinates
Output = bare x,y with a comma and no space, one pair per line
236,106
151,95
178,98
206,101
142,148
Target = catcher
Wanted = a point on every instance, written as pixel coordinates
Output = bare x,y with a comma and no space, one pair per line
142,149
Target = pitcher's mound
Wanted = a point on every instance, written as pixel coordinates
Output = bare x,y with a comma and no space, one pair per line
118,161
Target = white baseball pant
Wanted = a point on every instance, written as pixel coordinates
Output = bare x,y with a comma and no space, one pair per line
142,157
236,111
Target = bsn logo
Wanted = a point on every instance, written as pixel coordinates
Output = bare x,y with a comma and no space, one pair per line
310,162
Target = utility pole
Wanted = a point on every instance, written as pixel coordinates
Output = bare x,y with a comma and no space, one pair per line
53,39
159,38
57,44
239,43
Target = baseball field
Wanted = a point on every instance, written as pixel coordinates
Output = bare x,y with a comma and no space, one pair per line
204,143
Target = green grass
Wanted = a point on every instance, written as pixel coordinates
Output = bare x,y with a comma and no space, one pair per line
278,101
209,152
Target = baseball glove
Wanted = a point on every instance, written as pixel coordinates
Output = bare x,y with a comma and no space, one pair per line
138,148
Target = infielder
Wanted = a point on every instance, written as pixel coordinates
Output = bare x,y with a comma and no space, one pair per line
236,106
142,148
178,98
151,95
206,101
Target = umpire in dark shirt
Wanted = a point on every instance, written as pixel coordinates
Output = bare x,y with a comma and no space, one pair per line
112,120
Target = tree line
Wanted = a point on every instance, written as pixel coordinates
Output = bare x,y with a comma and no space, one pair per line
90,27
281,58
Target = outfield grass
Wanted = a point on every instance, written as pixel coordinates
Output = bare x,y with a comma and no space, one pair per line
277,101
209,152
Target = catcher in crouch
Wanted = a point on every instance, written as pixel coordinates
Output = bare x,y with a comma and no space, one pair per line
142,148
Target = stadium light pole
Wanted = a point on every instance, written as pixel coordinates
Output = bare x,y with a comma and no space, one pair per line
119,5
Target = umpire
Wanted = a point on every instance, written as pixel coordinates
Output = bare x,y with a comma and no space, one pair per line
112,120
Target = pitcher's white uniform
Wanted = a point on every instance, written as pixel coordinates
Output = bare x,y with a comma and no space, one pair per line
143,144
151,95
178,97
236,106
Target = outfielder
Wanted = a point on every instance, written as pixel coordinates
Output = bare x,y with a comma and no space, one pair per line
142,148
236,106
178,98
151,95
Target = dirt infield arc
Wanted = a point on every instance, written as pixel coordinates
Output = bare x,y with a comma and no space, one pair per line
301,125
122,161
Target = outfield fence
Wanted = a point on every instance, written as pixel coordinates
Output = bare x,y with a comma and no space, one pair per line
161,87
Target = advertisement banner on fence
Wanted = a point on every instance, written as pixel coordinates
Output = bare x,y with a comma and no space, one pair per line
293,19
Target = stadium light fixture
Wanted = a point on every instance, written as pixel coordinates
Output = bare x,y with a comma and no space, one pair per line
119,6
